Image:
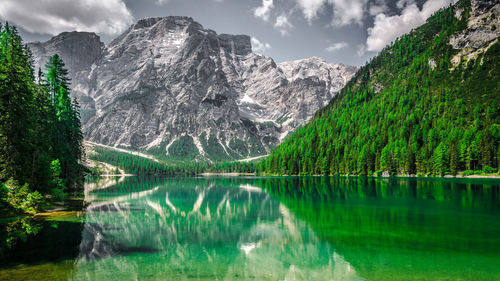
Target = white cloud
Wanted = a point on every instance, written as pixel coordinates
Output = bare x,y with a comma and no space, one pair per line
378,7
259,47
387,28
310,8
283,25
264,11
162,2
403,3
55,16
348,11
344,11
336,46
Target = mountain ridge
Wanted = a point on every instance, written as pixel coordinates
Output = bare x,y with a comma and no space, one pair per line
169,87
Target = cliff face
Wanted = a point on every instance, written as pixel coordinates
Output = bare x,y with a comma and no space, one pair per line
171,87
79,50
482,32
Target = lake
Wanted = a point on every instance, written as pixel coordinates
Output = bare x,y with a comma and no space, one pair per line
264,228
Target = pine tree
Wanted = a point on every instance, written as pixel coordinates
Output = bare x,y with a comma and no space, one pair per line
422,118
16,107
69,140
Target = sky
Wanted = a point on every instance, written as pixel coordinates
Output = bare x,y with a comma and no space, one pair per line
340,31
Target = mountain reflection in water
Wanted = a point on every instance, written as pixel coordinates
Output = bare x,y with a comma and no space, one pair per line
201,229
264,228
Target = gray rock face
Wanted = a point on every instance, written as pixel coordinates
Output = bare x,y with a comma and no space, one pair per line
79,50
481,33
170,87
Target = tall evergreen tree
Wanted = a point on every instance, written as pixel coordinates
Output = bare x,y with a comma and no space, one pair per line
401,113
16,106
69,138
39,127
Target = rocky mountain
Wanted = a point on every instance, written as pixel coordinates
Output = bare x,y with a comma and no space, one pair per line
481,33
79,50
169,87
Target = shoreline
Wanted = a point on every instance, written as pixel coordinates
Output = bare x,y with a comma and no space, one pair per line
72,205
472,177
209,174
397,176
114,175
347,175
236,174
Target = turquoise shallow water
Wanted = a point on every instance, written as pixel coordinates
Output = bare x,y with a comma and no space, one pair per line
281,228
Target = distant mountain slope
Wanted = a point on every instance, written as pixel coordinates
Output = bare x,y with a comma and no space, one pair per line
79,50
169,87
429,103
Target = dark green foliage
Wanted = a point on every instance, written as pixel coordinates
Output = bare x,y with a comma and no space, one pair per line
69,137
138,165
183,148
39,126
255,146
214,150
229,167
17,124
23,198
403,114
239,146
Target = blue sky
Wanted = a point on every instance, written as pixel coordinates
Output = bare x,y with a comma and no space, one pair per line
341,31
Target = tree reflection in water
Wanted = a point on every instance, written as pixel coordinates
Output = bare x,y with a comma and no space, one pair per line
276,228
203,229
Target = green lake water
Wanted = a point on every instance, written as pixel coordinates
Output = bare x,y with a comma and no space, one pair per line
251,228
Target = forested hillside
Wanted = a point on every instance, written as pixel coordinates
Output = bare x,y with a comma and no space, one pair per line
143,166
420,106
40,132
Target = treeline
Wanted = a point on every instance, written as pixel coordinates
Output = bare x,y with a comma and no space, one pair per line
408,111
232,167
138,165
40,131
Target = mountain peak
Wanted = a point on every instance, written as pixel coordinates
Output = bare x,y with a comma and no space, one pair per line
177,20
169,86
175,31
78,49
237,44
79,34
70,36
